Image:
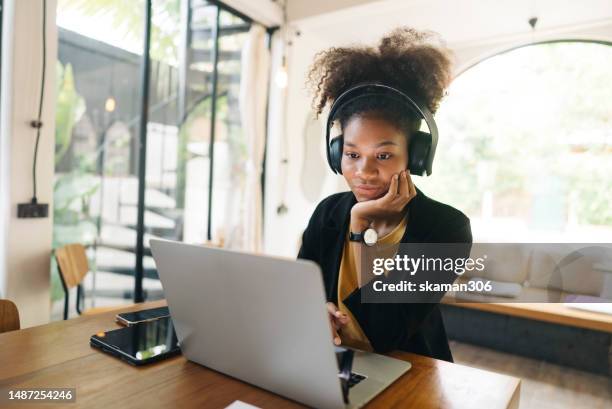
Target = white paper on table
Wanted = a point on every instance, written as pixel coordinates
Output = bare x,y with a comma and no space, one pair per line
238,404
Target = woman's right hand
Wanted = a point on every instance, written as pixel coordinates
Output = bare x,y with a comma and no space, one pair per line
337,319
401,192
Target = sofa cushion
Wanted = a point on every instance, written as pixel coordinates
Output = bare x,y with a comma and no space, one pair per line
559,267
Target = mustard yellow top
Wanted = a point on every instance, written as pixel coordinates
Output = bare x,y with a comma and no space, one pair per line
351,334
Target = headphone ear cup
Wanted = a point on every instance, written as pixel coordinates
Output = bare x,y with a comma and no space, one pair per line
335,153
420,145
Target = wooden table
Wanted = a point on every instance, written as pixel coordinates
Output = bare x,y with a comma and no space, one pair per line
58,355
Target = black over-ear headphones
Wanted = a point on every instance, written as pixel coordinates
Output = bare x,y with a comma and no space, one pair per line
422,144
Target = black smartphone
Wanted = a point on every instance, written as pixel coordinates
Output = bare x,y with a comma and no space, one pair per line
131,318
140,343
345,364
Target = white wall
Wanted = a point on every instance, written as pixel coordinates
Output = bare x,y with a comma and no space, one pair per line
300,9
25,244
288,118
474,52
473,29
266,12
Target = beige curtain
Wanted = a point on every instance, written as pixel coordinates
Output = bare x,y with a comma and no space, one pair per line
252,101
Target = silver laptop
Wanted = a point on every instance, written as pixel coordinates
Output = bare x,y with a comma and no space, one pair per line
263,320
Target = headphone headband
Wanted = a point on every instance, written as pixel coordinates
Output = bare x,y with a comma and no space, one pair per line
372,89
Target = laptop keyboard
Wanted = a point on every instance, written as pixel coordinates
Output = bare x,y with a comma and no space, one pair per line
355,379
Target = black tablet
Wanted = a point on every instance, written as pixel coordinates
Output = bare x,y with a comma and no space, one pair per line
141,343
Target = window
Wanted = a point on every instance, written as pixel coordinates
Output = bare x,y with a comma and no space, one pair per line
97,118
195,53
194,142
526,145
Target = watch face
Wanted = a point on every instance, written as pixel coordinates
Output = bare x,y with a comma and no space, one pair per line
370,237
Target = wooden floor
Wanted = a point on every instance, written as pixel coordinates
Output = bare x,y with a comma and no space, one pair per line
543,385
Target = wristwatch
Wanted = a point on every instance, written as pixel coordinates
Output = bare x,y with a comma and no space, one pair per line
369,236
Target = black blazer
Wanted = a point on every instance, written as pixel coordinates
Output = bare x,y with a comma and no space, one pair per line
409,327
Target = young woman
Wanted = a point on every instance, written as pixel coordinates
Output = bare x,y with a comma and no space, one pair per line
375,164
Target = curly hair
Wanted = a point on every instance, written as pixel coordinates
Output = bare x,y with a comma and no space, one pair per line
406,59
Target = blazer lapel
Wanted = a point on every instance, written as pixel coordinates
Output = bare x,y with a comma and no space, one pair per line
415,226
333,235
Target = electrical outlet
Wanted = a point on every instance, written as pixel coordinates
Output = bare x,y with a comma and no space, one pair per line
32,210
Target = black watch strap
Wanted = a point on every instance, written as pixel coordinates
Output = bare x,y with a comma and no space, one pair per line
355,236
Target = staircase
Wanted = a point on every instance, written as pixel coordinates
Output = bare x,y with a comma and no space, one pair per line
194,83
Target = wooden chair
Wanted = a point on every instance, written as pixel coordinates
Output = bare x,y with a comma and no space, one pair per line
73,266
9,316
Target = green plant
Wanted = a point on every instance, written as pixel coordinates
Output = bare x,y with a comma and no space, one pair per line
72,192
70,108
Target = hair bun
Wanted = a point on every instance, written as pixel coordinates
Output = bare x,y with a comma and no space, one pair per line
416,62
